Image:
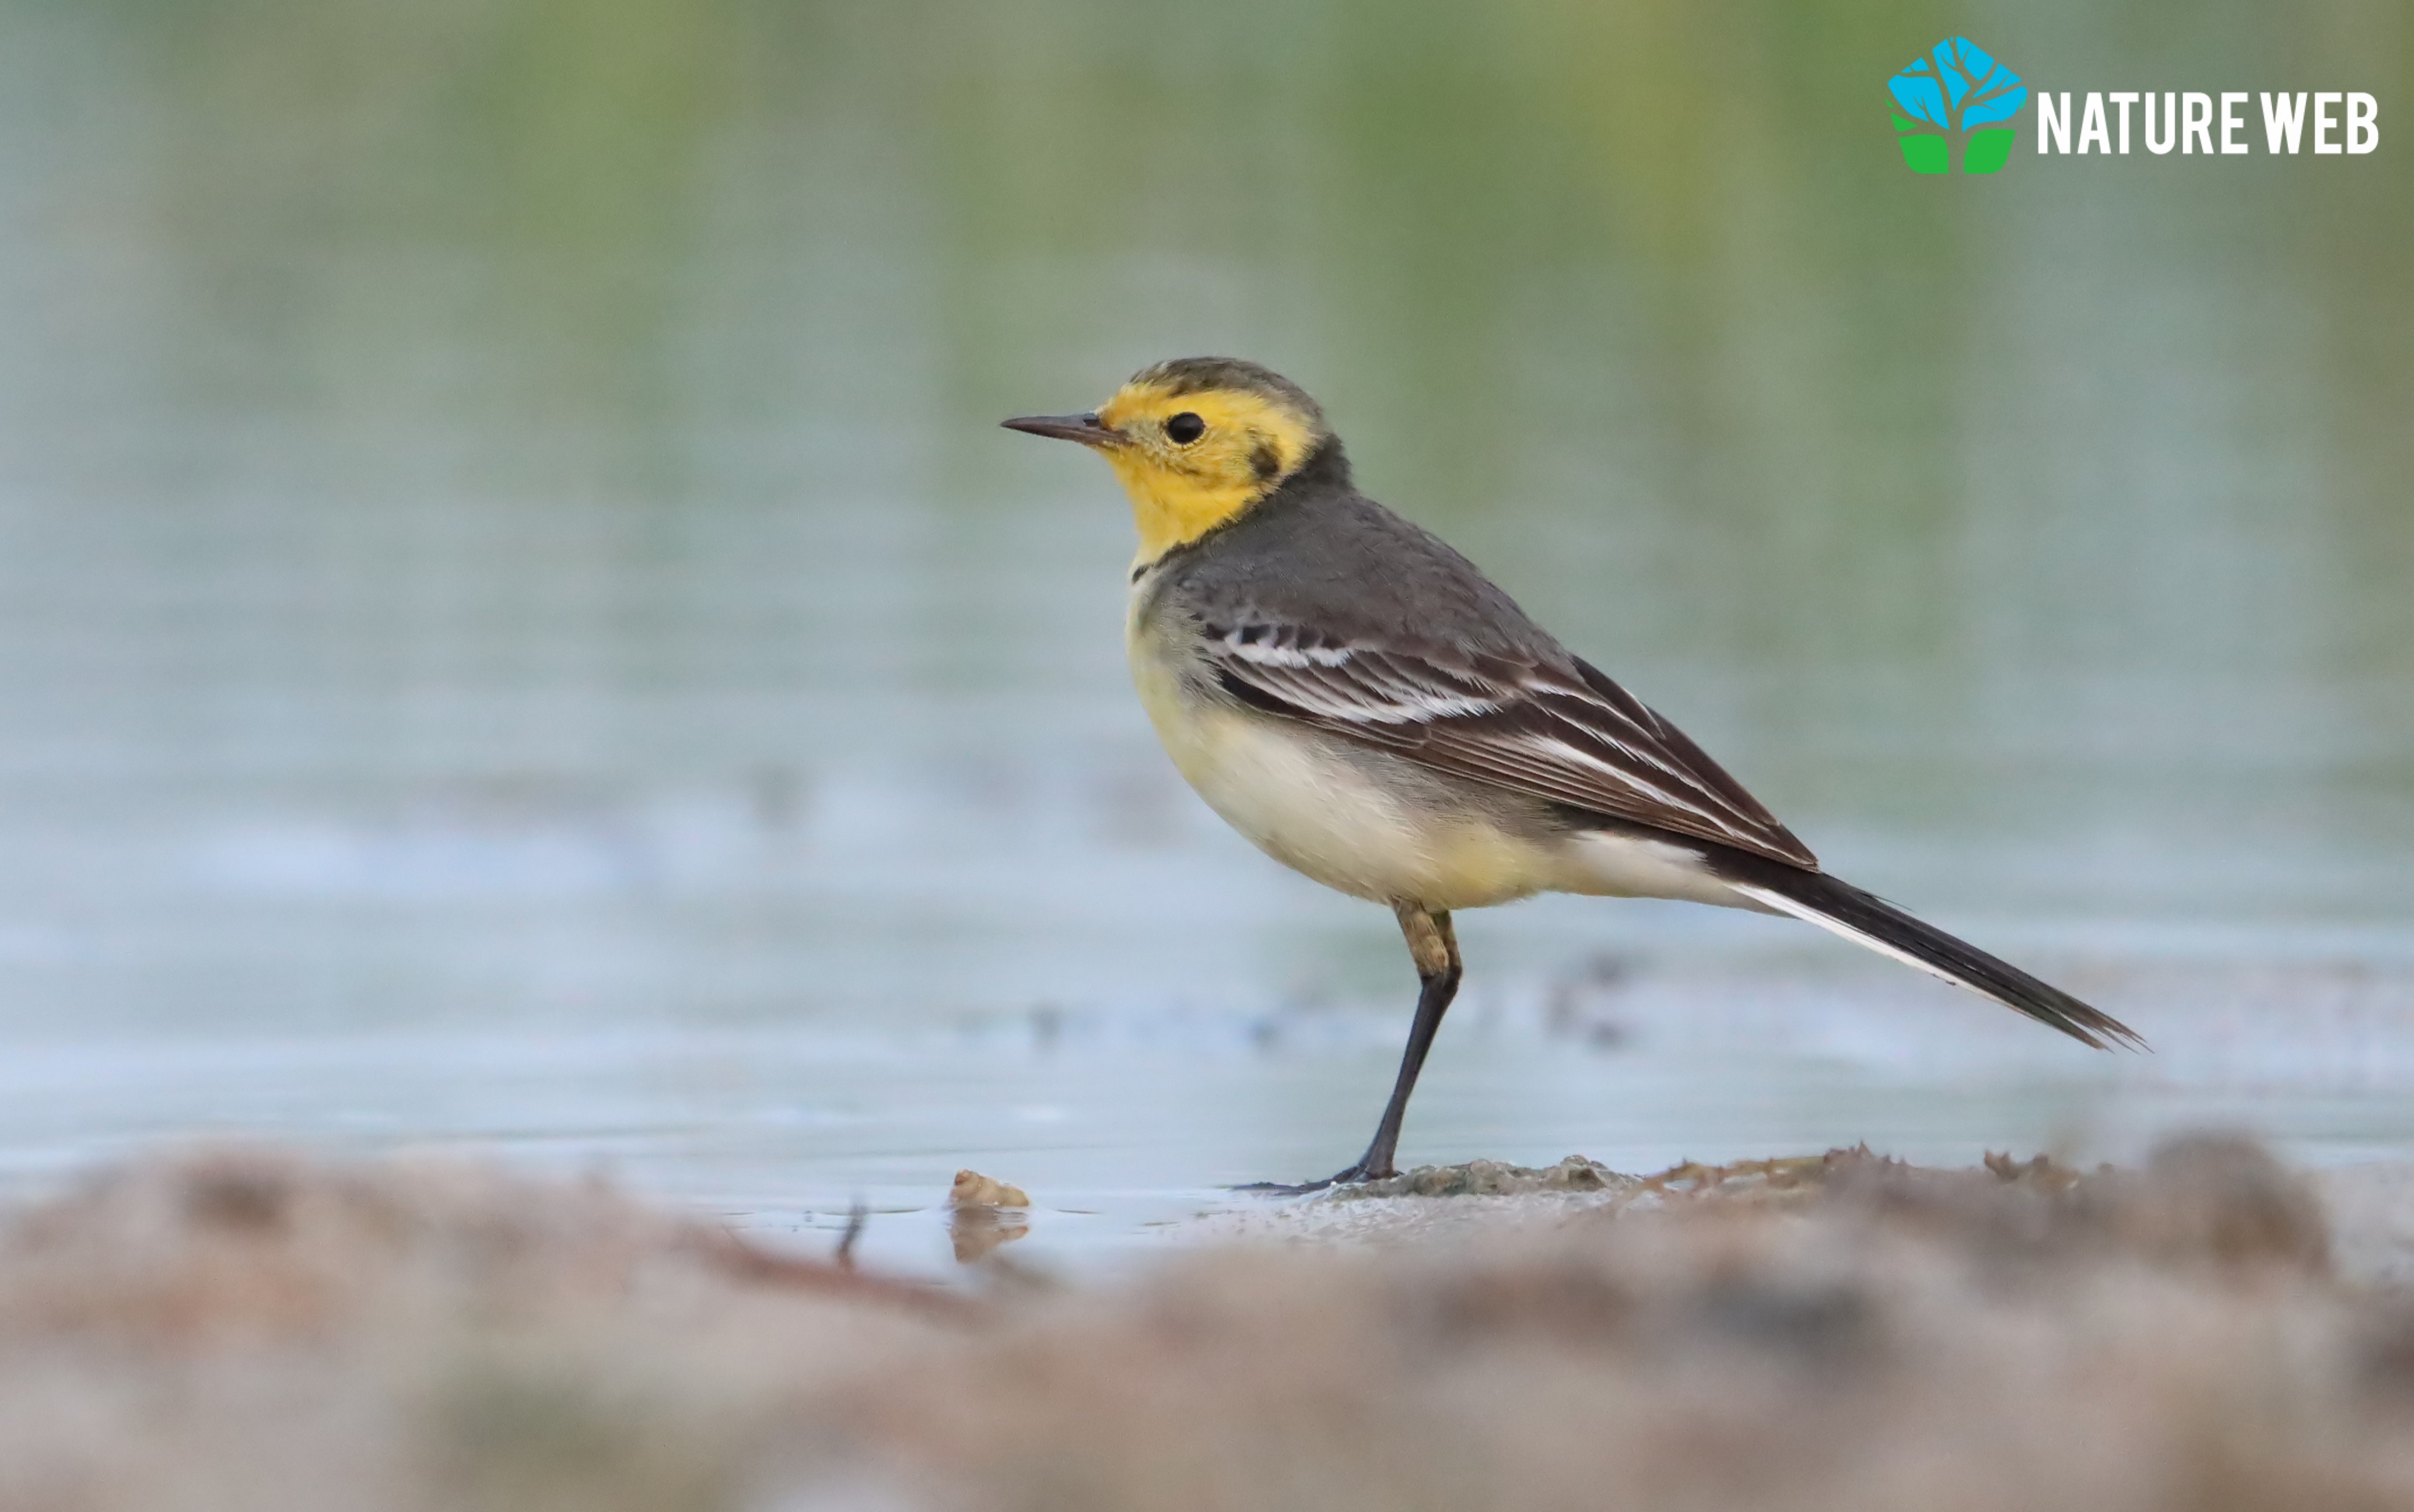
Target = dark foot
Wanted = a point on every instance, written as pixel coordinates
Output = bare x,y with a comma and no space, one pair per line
1435,949
1360,1172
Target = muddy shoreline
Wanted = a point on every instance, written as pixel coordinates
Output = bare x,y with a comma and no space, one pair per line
260,1329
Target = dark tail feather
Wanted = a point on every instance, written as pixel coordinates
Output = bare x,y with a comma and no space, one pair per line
1845,909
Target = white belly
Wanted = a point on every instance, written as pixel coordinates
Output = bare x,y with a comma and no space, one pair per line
1381,827
1315,811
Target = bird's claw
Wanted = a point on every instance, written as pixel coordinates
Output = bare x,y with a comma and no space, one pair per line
1359,1172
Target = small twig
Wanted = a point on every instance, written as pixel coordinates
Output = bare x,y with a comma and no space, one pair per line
857,1219
733,1256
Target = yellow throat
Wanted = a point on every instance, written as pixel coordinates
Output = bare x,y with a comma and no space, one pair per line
1249,443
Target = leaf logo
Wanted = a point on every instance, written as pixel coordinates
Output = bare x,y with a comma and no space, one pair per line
1948,104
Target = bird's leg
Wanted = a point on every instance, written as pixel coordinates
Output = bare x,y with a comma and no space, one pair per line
1433,945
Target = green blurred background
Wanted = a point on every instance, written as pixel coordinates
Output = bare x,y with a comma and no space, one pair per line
502,520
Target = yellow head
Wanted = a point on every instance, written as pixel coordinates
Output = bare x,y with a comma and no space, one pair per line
1196,441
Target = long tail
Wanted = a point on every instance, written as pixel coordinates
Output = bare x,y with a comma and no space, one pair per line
1843,908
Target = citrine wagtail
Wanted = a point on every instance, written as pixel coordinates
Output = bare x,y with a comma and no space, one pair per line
1358,699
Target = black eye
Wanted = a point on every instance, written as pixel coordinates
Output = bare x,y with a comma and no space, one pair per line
1185,428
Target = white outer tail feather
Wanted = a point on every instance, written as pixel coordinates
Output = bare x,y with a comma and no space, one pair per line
1804,912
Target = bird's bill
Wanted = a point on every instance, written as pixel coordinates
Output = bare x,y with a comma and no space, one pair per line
1082,428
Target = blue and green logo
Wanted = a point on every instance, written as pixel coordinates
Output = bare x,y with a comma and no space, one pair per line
1949,102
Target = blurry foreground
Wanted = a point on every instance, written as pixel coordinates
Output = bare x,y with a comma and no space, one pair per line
255,1332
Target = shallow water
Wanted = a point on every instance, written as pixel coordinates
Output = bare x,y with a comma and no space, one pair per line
1124,1128
518,631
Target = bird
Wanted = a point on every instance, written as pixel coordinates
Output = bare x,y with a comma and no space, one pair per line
1366,706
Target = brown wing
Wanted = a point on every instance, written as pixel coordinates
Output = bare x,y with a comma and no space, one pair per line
1567,734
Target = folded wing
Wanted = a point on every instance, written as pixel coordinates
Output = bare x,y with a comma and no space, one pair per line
1565,734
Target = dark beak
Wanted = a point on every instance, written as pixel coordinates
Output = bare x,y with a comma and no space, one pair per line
1082,428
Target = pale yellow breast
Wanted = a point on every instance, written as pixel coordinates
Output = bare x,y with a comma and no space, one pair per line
1302,798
